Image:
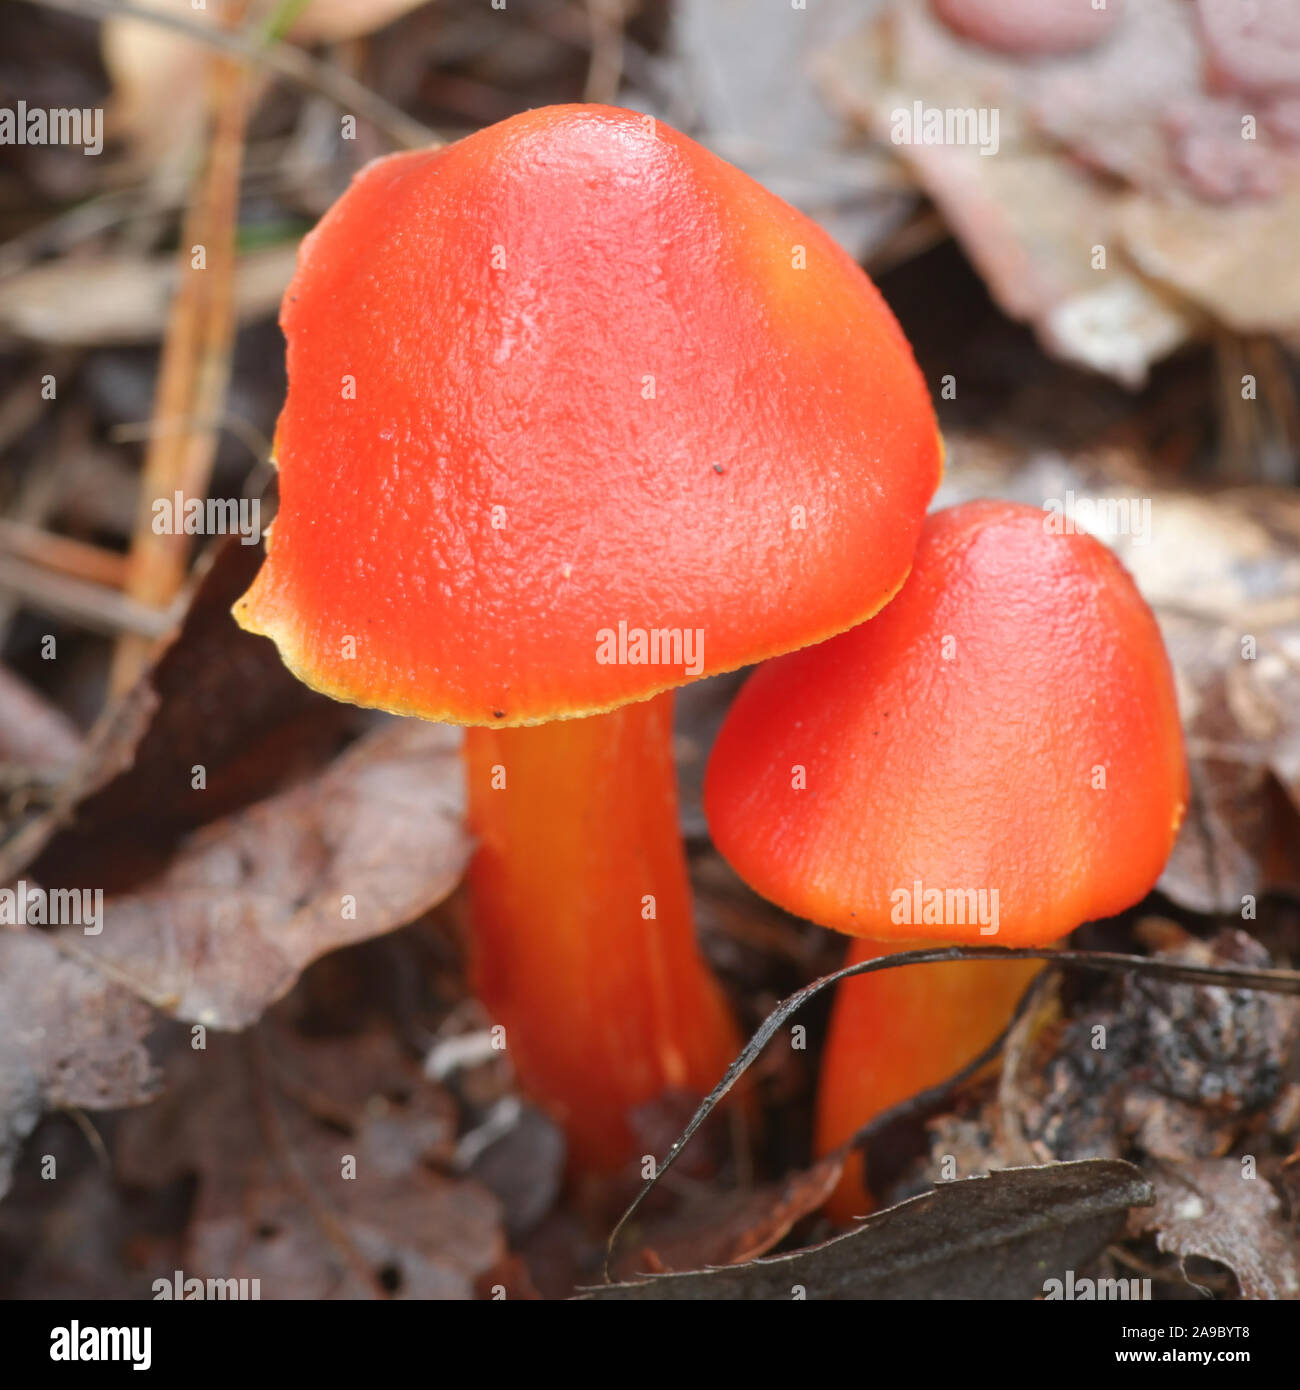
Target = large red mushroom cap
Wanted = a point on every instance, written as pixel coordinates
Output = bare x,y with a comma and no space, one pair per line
565,397
1008,723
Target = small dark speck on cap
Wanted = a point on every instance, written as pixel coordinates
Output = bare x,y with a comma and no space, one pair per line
498,714
717,468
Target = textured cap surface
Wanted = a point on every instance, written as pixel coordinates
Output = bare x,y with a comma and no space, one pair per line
578,412
1007,726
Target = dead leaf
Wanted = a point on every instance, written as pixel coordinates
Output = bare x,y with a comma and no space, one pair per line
314,1160
995,1237
1121,146
34,734
1028,217
216,698
736,1227
1213,1211
367,846
1236,262
1175,1070
71,1039
157,78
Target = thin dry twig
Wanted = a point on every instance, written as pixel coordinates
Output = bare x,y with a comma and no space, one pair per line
82,603
606,19
195,368
62,554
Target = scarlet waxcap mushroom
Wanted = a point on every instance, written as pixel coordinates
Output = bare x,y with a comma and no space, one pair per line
577,413
562,386
994,759
1008,723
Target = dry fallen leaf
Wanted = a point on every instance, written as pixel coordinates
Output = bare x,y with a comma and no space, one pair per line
736,1227
1213,1210
995,1237
1028,217
70,1039
1120,146
316,1165
158,74
215,698
1176,1071
1236,262
367,846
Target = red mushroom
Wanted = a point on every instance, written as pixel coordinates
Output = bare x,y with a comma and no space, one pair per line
578,413
994,759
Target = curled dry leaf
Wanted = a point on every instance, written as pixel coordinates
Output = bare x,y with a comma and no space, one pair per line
737,1227
157,74
1120,146
1215,1211
996,1237
1027,214
366,846
1175,1071
70,1039
157,80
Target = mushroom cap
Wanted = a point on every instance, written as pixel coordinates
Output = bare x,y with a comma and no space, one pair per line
573,372
1008,723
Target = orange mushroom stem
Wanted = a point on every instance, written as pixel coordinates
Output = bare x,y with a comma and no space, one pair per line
895,1033
993,760
583,941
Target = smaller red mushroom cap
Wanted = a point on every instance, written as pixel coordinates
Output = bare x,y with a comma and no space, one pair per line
1008,725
